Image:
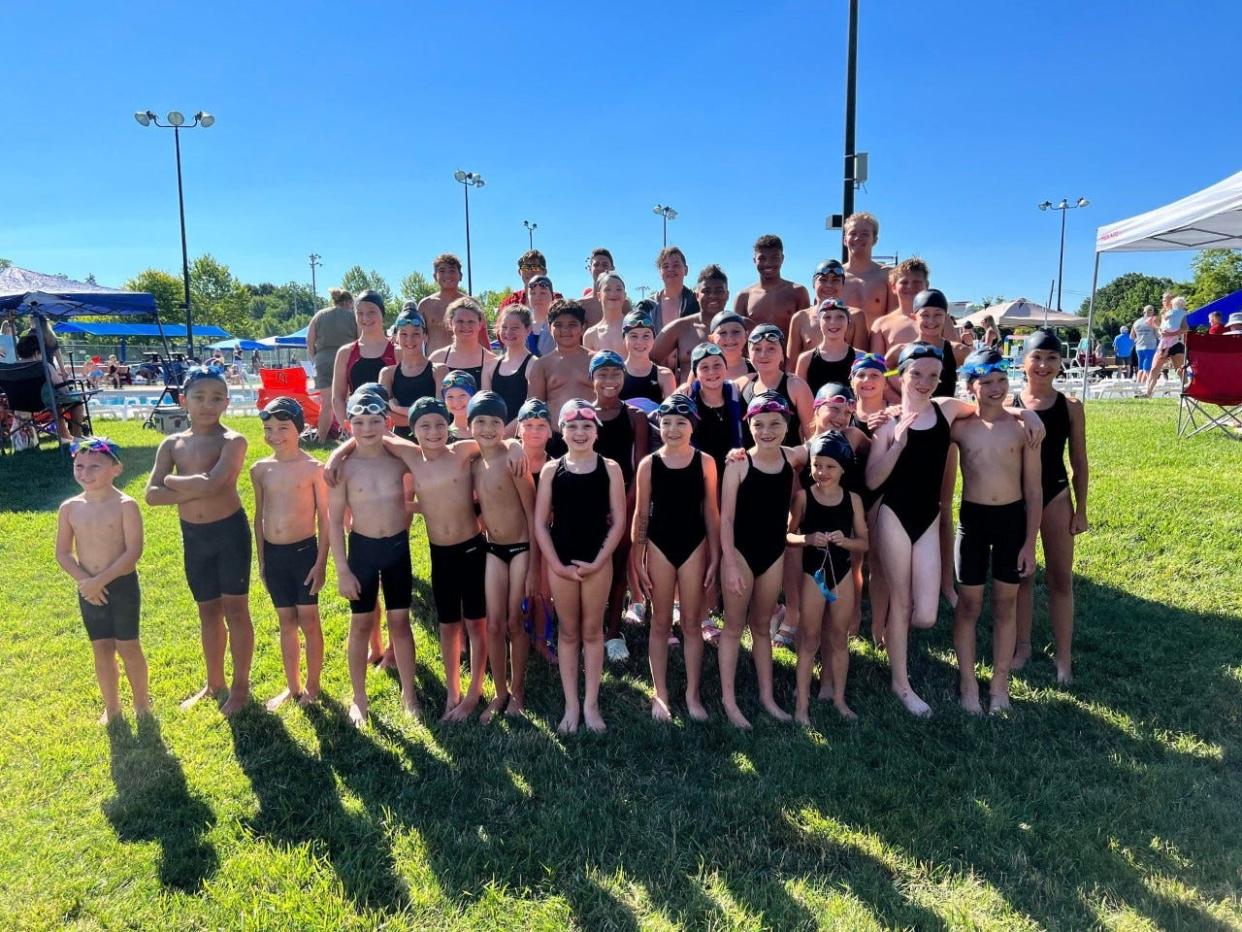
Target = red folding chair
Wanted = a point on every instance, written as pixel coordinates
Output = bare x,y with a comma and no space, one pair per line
1211,386
290,382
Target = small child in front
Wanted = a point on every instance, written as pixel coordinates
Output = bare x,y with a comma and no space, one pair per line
829,523
197,471
290,502
371,488
98,543
507,503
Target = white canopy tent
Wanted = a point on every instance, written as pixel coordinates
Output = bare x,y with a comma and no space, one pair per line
1022,313
1208,219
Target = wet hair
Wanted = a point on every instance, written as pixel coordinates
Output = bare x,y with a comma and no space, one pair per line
605,277
466,302
863,217
340,296
446,258
533,257
668,252
520,311
564,306
769,241
712,273
913,264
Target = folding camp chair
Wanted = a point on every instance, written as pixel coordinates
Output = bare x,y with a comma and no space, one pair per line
1212,378
23,384
291,383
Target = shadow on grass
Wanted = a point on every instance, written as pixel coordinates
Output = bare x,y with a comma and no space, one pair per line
299,804
41,480
153,803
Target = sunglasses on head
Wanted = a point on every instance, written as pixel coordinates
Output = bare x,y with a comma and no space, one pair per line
368,407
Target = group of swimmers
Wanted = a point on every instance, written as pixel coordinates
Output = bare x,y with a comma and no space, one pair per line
562,487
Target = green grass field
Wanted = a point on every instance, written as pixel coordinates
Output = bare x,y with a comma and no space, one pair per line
1115,803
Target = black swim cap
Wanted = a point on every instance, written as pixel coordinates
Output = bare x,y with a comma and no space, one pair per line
1042,340
373,296
284,408
487,404
913,352
931,297
833,445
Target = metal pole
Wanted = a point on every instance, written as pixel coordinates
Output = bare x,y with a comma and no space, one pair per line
185,256
851,88
530,238
1061,258
664,214
1051,285
469,267
314,261
1090,319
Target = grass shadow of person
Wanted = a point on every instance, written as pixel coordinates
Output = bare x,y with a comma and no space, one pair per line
154,803
299,804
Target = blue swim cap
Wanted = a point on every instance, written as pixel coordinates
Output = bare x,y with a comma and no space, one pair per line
981,362
459,379
605,359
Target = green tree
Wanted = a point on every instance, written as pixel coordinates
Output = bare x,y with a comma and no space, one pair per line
415,287
490,301
5,263
357,279
1121,301
165,288
90,279
218,297
1217,272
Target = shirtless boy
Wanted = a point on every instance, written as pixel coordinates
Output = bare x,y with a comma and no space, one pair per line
446,269
98,543
290,504
827,282
1002,501
897,327
866,281
772,299
560,375
370,488
676,342
197,471
507,503
674,299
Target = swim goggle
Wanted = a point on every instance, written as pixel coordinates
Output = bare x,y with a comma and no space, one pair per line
95,445
371,405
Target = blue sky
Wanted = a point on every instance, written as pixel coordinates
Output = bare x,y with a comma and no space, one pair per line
338,132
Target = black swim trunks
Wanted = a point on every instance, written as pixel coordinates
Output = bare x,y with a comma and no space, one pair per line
285,568
118,619
217,557
507,552
380,561
457,579
989,533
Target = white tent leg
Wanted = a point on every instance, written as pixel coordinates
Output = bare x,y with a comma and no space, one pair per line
1086,372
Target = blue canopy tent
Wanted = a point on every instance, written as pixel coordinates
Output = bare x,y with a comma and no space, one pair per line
126,332
44,297
248,346
297,338
1227,305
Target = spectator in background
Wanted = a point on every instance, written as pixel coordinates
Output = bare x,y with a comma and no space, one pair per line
530,265
1215,325
674,300
1172,345
446,268
59,397
330,329
1123,349
1234,326
991,336
1146,339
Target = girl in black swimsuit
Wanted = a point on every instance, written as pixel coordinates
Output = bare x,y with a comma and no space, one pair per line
1065,514
906,464
534,429
676,546
414,376
829,361
828,523
513,329
465,353
753,518
579,520
643,378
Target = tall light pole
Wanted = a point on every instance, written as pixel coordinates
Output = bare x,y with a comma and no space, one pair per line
1063,207
642,290
468,180
851,96
314,264
176,122
668,214
530,231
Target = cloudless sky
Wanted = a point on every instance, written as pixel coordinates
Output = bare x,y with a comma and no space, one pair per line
339,127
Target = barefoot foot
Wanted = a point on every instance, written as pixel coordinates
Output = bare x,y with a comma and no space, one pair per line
736,718
846,712
309,697
358,714
569,723
593,719
659,711
970,702
776,711
201,694
516,707
914,705
1065,674
409,705
695,709
236,702
494,708
999,704
105,717
825,690
802,717
1021,654
463,709
278,700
